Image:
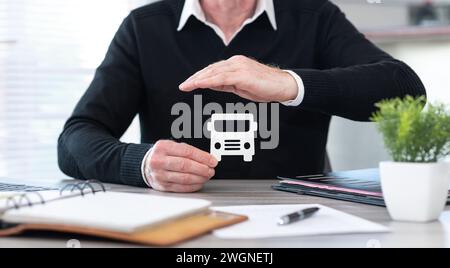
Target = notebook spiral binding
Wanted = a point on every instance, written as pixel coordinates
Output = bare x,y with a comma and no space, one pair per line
23,200
16,201
82,186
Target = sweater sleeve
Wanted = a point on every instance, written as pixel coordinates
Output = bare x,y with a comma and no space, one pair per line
89,146
353,73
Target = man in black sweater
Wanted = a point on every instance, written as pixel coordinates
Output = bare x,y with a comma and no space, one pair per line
325,68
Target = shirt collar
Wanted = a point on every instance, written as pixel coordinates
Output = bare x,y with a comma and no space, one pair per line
193,8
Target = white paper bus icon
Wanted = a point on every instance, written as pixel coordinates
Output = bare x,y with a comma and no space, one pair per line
238,142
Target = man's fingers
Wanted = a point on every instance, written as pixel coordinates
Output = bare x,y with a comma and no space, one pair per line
179,167
208,69
181,178
184,86
177,188
212,70
185,165
215,70
218,81
230,82
187,151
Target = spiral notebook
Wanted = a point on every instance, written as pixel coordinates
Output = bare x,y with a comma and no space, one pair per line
86,208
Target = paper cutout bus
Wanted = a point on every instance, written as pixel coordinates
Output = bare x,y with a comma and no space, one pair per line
237,141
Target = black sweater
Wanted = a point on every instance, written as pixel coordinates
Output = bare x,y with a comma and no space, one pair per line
344,75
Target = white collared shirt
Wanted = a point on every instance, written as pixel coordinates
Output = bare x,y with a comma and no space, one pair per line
193,8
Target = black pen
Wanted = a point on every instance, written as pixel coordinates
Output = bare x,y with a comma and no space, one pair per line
297,216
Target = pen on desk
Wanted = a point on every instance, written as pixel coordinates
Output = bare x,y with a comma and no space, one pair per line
297,216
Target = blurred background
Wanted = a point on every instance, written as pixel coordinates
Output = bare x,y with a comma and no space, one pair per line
49,50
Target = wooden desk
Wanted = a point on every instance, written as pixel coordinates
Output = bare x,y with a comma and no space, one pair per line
245,192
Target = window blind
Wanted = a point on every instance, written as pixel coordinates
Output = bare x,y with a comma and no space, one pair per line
49,50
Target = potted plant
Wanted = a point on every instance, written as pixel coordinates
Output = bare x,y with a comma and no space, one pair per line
415,185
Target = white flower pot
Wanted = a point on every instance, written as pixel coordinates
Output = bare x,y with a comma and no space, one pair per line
415,191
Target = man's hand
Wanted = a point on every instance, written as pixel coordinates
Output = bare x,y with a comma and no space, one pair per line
178,167
246,78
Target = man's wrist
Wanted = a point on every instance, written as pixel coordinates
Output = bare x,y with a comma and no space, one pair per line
300,90
145,170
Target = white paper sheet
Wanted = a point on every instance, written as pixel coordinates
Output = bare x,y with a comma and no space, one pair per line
263,220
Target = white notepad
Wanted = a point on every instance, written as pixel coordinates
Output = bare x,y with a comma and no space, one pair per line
263,220
121,212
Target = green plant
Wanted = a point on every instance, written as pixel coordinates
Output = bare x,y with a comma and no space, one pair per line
412,133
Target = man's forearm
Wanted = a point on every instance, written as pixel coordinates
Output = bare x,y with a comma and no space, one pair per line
353,91
86,151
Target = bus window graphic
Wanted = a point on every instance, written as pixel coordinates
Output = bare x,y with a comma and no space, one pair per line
239,141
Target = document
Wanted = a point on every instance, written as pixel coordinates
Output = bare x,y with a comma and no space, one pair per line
263,223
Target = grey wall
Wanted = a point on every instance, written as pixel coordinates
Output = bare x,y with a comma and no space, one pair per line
356,145
364,15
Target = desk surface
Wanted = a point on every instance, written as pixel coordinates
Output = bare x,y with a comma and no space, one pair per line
245,192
